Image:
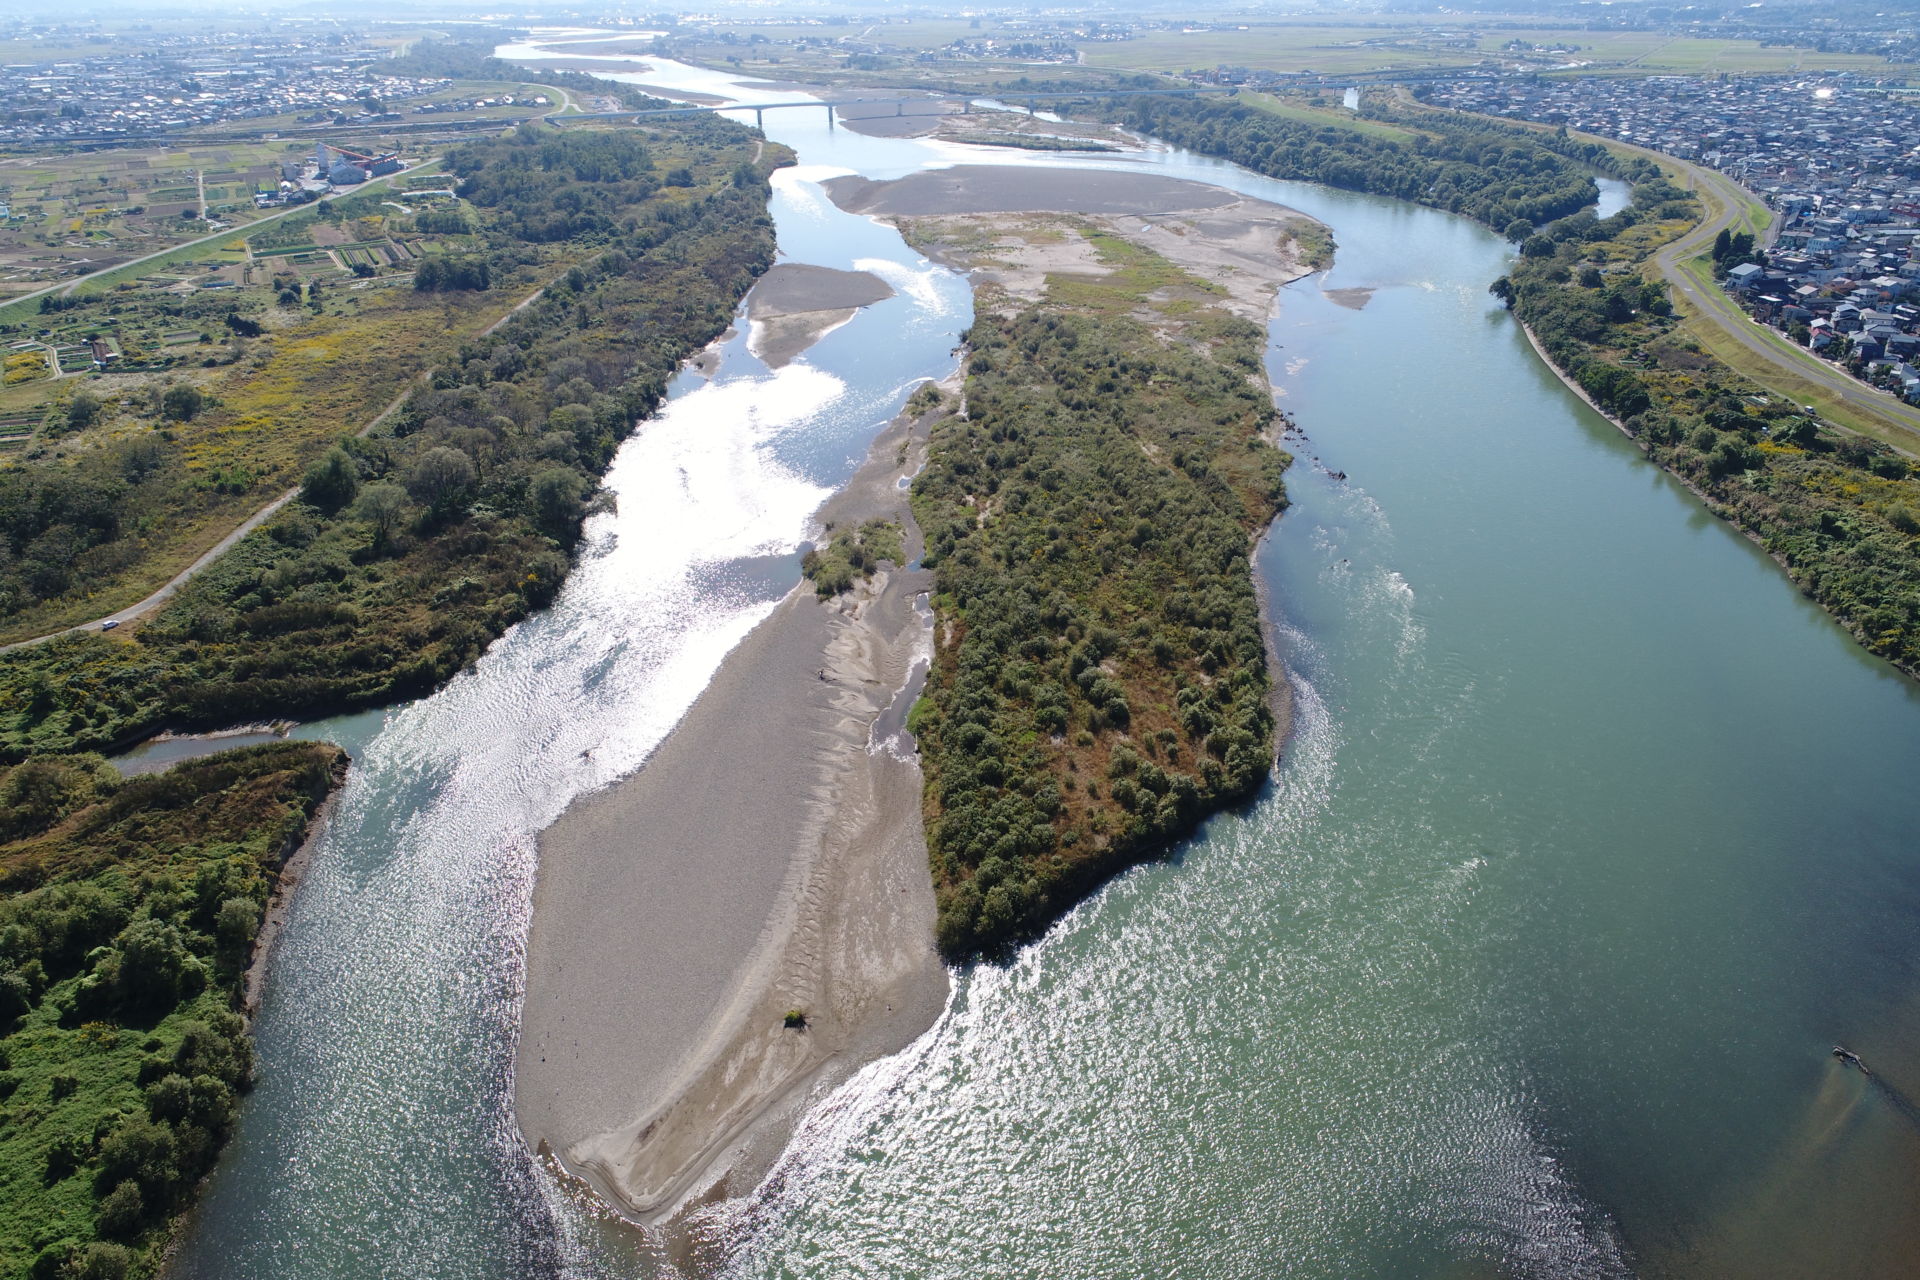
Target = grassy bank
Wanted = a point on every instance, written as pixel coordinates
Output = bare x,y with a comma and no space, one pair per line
1100,682
127,921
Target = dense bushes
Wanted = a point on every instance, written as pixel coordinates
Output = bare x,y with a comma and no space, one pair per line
1100,680
851,556
414,548
128,916
448,275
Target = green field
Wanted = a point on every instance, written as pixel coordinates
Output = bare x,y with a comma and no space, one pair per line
1352,47
1338,117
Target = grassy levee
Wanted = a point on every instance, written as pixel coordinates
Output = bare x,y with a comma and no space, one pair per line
1718,323
1839,512
128,909
1341,119
1100,682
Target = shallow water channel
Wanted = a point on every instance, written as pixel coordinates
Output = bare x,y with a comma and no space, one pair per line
1591,839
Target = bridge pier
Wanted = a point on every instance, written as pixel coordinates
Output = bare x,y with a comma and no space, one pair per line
759,119
829,107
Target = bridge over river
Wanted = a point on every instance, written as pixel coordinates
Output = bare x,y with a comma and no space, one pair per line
1031,101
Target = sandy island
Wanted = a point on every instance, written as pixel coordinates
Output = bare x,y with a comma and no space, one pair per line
770,855
795,305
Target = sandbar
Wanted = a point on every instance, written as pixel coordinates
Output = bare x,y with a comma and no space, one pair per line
764,859
995,188
794,305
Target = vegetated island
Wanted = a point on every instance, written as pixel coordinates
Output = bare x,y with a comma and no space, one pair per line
703,963
1100,680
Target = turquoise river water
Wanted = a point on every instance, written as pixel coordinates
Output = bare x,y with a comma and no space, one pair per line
1591,839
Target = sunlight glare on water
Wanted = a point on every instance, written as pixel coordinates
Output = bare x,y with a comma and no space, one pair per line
1524,965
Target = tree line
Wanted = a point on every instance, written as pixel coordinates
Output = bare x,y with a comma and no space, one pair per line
1509,178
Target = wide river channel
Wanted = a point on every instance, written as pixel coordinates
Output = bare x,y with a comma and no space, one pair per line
1592,838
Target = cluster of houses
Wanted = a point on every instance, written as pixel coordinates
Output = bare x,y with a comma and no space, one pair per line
1866,322
1836,156
118,93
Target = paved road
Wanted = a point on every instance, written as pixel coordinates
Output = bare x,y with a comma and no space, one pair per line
173,586
1711,305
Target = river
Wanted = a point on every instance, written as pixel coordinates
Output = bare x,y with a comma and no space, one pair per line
1591,839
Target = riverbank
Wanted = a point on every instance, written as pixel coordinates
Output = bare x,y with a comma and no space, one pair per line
295,856
1834,509
765,860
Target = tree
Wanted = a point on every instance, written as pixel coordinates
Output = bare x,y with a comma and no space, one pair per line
441,477
1722,245
332,482
156,968
1801,433
383,506
122,1212
83,410
180,403
144,1151
555,498
1519,229
103,1261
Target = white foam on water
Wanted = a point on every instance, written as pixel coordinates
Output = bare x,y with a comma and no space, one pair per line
921,284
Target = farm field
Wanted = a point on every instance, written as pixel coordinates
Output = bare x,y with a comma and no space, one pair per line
1336,48
77,212
270,350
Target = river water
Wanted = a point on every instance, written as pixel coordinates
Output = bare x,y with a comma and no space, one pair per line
1591,839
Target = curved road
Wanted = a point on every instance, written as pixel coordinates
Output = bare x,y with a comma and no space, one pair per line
1727,201
218,549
